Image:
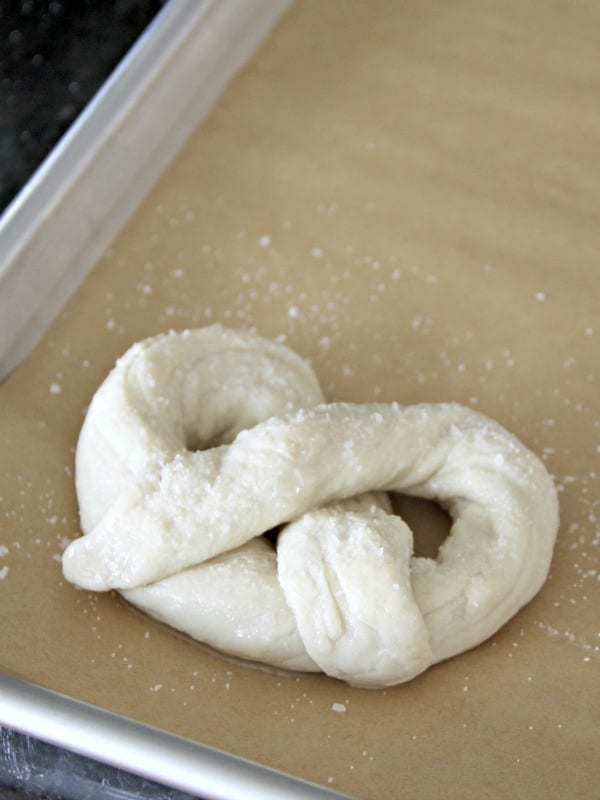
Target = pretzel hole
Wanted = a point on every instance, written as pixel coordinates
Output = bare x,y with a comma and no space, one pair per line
272,534
195,443
427,520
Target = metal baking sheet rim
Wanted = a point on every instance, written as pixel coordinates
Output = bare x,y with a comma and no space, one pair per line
144,750
50,237
98,173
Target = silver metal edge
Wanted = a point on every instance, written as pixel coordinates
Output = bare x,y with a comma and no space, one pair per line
83,193
143,750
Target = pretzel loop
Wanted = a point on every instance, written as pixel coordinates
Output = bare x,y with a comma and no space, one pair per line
199,442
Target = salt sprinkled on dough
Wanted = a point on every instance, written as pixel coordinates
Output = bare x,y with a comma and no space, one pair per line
429,631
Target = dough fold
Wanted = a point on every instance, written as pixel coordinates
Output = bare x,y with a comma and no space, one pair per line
199,442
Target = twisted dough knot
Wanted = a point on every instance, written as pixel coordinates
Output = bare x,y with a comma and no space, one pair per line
199,442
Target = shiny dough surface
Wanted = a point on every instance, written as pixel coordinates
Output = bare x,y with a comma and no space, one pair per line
200,442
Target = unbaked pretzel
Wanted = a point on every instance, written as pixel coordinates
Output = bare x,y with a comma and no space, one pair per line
199,442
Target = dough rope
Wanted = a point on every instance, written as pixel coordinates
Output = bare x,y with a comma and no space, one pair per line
197,443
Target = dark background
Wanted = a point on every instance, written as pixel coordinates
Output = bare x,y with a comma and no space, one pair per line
54,56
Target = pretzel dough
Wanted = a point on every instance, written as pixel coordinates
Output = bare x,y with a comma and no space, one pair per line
199,442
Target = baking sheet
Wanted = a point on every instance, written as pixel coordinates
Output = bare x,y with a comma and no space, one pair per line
408,195
98,173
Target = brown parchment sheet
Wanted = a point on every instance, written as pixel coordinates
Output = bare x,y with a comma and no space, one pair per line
408,195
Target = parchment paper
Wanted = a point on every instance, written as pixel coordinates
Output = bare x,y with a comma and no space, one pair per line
407,194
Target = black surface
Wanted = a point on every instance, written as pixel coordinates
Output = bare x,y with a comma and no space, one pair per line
54,56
